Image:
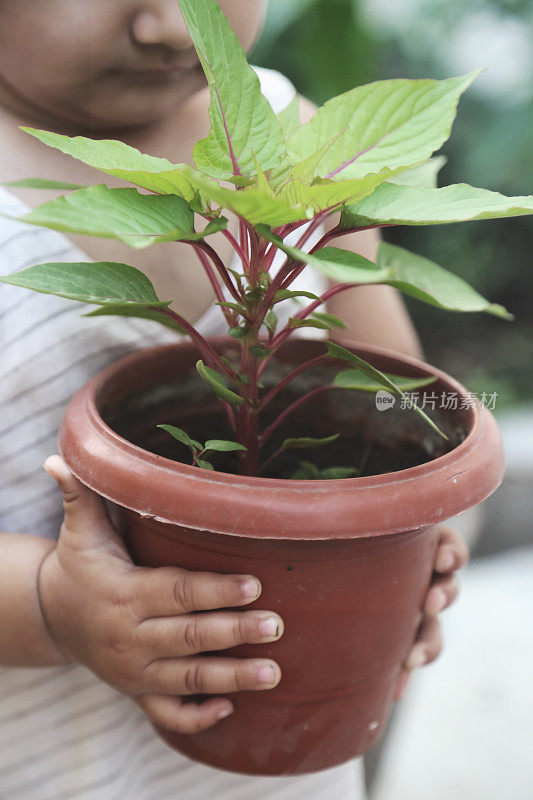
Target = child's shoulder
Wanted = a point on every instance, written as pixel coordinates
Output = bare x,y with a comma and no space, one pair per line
280,92
276,87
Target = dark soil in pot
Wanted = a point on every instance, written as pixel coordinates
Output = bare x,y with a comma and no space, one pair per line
346,563
371,442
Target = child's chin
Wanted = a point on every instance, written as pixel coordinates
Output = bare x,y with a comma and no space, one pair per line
140,105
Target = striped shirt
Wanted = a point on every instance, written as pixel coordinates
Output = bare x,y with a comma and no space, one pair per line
64,735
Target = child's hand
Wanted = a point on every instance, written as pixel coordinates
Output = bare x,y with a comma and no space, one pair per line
138,630
452,555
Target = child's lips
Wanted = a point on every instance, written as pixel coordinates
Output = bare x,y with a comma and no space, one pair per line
160,74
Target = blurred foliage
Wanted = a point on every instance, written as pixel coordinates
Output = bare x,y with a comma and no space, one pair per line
329,46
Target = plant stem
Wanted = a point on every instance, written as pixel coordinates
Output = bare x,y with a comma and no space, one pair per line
314,225
211,356
247,421
238,249
222,271
284,334
277,422
270,459
314,362
219,294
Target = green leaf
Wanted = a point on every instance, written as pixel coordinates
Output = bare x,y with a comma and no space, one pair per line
390,124
307,471
287,294
342,266
99,283
203,464
218,385
309,323
289,118
306,169
136,219
137,312
257,206
336,351
339,473
261,180
307,443
221,446
425,174
330,320
391,204
43,183
242,120
237,332
358,381
271,321
324,195
116,158
425,280
259,351
182,437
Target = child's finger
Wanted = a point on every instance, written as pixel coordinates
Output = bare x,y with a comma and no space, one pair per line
401,686
217,675
191,634
443,593
172,714
428,645
452,553
86,522
167,591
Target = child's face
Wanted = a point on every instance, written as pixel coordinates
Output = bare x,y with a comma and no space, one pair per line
101,64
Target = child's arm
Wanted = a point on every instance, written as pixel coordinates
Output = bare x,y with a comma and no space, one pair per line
24,639
137,629
373,314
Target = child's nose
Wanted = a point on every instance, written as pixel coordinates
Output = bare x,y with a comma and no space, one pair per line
160,22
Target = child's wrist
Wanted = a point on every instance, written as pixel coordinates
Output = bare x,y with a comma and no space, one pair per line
56,653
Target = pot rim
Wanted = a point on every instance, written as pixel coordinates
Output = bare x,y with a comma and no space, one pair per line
97,455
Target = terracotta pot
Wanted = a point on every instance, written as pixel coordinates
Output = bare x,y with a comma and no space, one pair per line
346,563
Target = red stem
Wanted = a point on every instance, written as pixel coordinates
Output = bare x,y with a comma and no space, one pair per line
314,362
229,317
285,230
269,460
210,355
222,271
238,249
286,332
277,422
315,224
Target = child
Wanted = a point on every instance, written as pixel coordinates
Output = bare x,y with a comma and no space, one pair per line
78,608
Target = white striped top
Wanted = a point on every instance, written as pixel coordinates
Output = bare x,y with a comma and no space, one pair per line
64,735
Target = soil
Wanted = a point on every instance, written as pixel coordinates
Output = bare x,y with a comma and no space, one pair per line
372,442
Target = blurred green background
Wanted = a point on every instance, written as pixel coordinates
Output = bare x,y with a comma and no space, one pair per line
329,46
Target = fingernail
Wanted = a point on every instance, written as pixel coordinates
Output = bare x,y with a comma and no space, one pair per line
417,658
267,676
251,588
438,601
226,712
269,628
56,467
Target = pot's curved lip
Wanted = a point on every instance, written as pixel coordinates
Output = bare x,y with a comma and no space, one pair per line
275,508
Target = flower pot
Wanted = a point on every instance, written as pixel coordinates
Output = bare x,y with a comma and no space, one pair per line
346,563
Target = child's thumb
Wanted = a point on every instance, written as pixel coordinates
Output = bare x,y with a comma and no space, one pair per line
85,512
